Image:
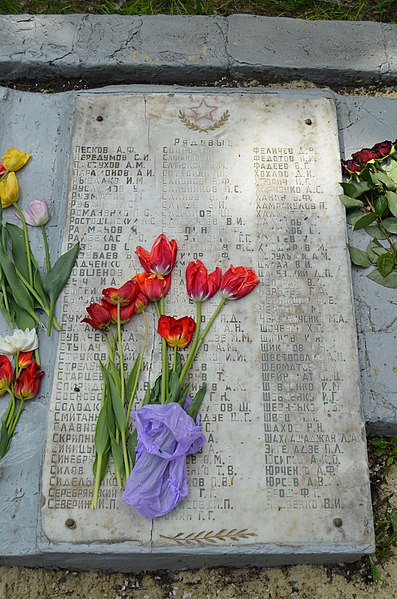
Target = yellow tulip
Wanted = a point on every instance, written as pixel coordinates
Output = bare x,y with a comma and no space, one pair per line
9,190
14,159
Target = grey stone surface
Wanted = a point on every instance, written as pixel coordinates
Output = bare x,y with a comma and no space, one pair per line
182,49
43,122
363,121
326,52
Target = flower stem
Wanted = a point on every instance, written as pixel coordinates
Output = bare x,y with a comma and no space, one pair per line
97,481
27,246
164,361
47,251
121,355
37,356
198,343
140,357
15,421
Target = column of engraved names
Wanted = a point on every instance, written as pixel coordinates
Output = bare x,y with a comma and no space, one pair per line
99,176
298,461
196,181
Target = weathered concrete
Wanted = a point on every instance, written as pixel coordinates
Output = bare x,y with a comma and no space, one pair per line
179,50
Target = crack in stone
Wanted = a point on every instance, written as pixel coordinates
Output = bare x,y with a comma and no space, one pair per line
128,41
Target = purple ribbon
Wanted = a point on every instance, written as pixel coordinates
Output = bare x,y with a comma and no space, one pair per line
158,481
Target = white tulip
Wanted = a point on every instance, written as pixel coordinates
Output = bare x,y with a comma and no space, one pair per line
19,341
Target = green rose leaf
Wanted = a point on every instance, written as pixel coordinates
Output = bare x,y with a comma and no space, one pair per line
372,248
392,201
390,224
381,205
355,190
379,178
385,263
388,281
365,220
353,216
358,257
389,166
349,202
374,231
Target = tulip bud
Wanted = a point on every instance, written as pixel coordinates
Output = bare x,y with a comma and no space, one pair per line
123,295
5,374
9,190
15,160
28,383
37,213
201,285
2,169
100,316
178,332
161,258
237,282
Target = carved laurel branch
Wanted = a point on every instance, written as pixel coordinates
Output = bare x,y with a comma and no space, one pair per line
211,537
225,116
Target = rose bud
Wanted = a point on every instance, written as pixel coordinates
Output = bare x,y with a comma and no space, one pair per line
199,284
100,316
15,160
5,374
363,156
24,358
161,258
349,167
382,149
9,190
28,383
37,213
126,312
178,332
153,286
124,295
238,282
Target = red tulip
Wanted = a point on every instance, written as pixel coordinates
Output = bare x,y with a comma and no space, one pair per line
126,312
124,295
237,282
161,258
153,286
28,383
178,332
201,285
2,169
141,302
5,374
24,358
100,316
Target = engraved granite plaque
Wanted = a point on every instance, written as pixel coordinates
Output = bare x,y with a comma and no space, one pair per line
241,178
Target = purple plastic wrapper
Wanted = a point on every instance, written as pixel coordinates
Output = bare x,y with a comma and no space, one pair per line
158,481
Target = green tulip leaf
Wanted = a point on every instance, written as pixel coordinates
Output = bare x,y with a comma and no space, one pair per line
133,378
118,408
358,257
174,387
100,475
131,446
56,279
101,439
4,440
117,455
18,248
21,295
194,409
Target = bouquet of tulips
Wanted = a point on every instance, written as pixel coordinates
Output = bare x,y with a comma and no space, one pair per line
150,461
25,294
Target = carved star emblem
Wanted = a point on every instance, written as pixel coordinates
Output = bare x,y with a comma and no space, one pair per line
203,111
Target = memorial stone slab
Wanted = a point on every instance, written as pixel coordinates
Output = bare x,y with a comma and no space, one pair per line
238,178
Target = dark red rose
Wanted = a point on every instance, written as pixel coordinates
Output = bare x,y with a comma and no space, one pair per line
349,167
363,156
382,149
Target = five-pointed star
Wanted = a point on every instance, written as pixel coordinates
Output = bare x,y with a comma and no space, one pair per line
203,111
